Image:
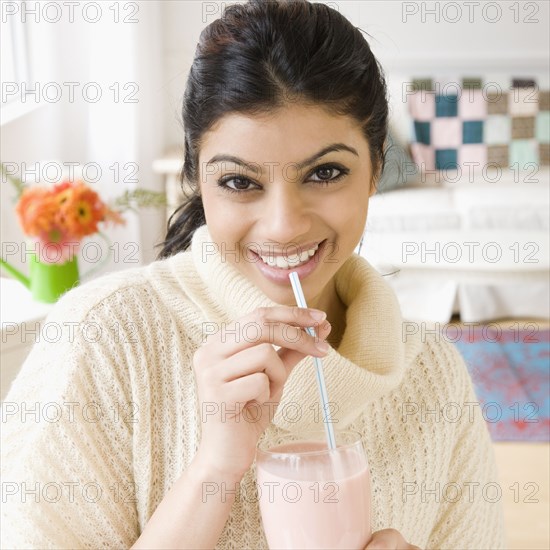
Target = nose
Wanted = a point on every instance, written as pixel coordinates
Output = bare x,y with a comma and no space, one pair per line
286,216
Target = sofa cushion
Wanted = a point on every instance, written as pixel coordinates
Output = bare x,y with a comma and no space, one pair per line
413,209
521,207
507,203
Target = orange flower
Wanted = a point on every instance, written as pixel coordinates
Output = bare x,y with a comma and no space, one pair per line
61,187
63,214
62,192
80,210
36,210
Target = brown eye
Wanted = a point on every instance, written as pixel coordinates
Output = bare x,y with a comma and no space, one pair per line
240,183
325,173
237,185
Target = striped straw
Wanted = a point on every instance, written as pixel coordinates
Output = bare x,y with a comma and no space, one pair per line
301,301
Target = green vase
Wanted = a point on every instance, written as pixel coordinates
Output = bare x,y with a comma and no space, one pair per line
48,282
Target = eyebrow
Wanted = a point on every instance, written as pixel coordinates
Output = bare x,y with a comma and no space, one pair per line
307,162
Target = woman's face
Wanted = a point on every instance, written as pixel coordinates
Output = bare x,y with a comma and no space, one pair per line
294,194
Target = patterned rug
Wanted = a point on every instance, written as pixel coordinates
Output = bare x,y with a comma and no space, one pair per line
510,370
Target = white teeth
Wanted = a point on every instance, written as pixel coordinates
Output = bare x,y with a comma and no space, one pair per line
294,260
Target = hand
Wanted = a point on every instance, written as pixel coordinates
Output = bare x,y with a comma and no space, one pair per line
240,378
389,539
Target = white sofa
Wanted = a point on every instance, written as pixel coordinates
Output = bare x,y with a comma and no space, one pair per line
476,246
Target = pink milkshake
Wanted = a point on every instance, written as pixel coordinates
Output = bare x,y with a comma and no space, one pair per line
313,498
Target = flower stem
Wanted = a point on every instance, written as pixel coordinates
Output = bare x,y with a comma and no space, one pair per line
16,182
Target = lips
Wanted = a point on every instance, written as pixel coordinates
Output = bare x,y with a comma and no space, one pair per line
280,274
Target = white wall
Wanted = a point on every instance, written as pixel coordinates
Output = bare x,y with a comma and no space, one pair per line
182,23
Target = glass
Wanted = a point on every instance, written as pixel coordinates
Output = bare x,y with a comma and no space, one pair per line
312,497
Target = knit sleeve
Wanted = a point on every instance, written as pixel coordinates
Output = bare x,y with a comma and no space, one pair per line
470,513
68,420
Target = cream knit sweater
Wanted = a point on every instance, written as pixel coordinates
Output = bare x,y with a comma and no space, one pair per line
103,417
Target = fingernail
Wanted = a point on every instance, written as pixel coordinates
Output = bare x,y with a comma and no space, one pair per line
322,346
317,314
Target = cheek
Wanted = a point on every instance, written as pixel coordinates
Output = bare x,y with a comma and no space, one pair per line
226,221
217,210
347,212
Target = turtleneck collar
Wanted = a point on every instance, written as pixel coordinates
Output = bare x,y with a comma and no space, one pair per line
373,353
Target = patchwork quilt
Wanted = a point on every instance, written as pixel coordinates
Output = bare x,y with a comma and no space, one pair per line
474,125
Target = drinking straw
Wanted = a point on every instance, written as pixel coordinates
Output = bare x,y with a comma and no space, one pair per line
301,301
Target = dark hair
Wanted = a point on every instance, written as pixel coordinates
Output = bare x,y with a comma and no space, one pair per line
258,57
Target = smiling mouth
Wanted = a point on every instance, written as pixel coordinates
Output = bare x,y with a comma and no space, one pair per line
292,260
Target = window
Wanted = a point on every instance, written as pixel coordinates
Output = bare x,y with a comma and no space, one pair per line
15,67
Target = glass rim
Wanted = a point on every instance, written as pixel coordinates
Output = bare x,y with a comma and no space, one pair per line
298,437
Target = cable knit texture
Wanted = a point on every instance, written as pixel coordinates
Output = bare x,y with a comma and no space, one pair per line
103,418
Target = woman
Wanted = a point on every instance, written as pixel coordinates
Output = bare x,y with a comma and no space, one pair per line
285,118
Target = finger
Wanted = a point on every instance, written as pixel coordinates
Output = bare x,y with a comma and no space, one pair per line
291,357
262,358
291,314
278,325
254,387
387,539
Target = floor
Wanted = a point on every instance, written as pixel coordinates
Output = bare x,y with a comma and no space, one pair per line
524,470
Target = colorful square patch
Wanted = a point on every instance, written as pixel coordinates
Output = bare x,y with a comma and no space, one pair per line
446,132
497,130
446,105
458,121
472,131
523,127
446,159
472,105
